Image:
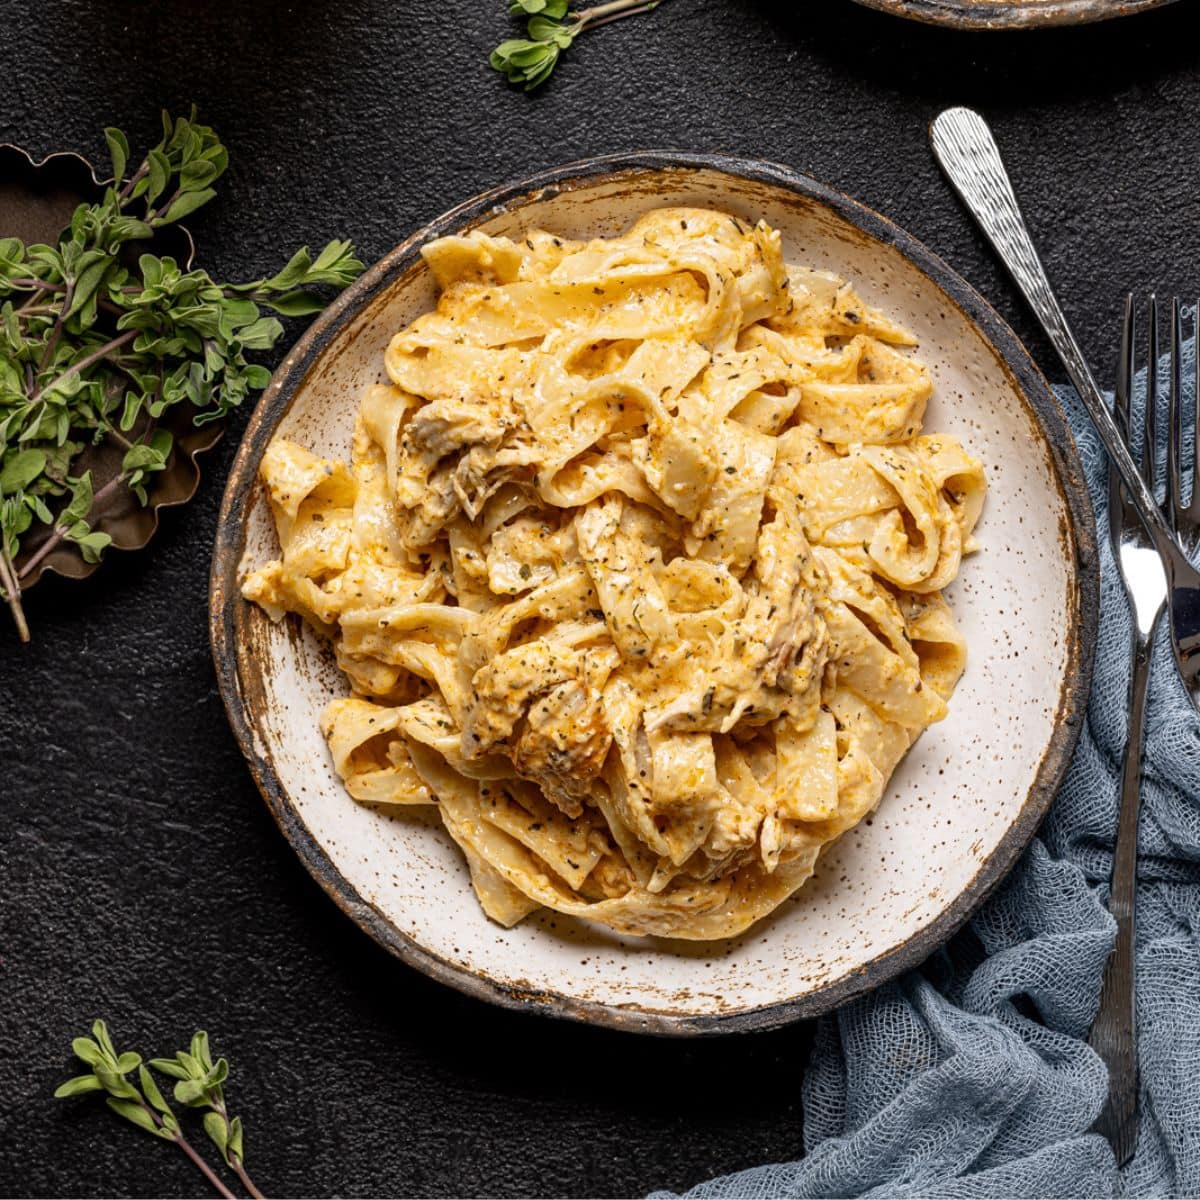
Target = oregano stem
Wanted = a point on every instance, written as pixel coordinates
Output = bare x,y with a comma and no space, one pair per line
133,181
177,1137
235,1160
12,591
39,285
56,538
591,18
247,1182
89,360
56,332
205,1169
156,214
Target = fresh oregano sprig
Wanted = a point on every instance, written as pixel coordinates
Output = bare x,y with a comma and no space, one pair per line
200,1085
95,347
550,30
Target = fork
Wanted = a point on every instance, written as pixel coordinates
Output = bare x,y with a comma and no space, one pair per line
1184,519
967,152
1114,1033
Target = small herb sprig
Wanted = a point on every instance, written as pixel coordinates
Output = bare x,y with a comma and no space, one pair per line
95,348
551,29
199,1085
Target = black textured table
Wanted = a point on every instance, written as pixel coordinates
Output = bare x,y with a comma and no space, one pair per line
141,877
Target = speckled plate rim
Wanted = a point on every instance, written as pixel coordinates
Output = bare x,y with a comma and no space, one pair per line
1012,14
228,611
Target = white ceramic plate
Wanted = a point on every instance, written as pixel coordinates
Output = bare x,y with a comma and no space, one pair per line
963,804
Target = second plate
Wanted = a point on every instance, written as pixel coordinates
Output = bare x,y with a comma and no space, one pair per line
1012,14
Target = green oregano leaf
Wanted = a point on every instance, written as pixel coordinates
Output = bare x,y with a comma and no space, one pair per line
91,543
80,503
132,1111
235,1139
168,1066
20,468
189,1092
118,151
187,204
158,176
151,1092
78,1086
214,1126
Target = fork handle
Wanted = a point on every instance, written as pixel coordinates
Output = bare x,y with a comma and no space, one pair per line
1114,1033
967,152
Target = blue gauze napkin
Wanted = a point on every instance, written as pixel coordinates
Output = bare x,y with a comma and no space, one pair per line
971,1076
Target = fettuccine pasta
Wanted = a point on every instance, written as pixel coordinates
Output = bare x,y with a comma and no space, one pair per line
635,571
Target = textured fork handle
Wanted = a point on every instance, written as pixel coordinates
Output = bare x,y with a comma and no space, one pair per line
1114,1033
967,152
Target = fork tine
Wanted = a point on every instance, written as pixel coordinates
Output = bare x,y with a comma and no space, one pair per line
1150,415
1174,502
1125,367
1121,394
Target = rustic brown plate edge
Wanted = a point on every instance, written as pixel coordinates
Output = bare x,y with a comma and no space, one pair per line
227,610
1016,14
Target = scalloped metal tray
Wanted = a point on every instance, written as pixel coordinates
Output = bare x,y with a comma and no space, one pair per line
37,198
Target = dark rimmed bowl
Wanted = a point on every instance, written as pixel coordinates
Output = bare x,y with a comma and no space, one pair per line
1012,14
961,808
